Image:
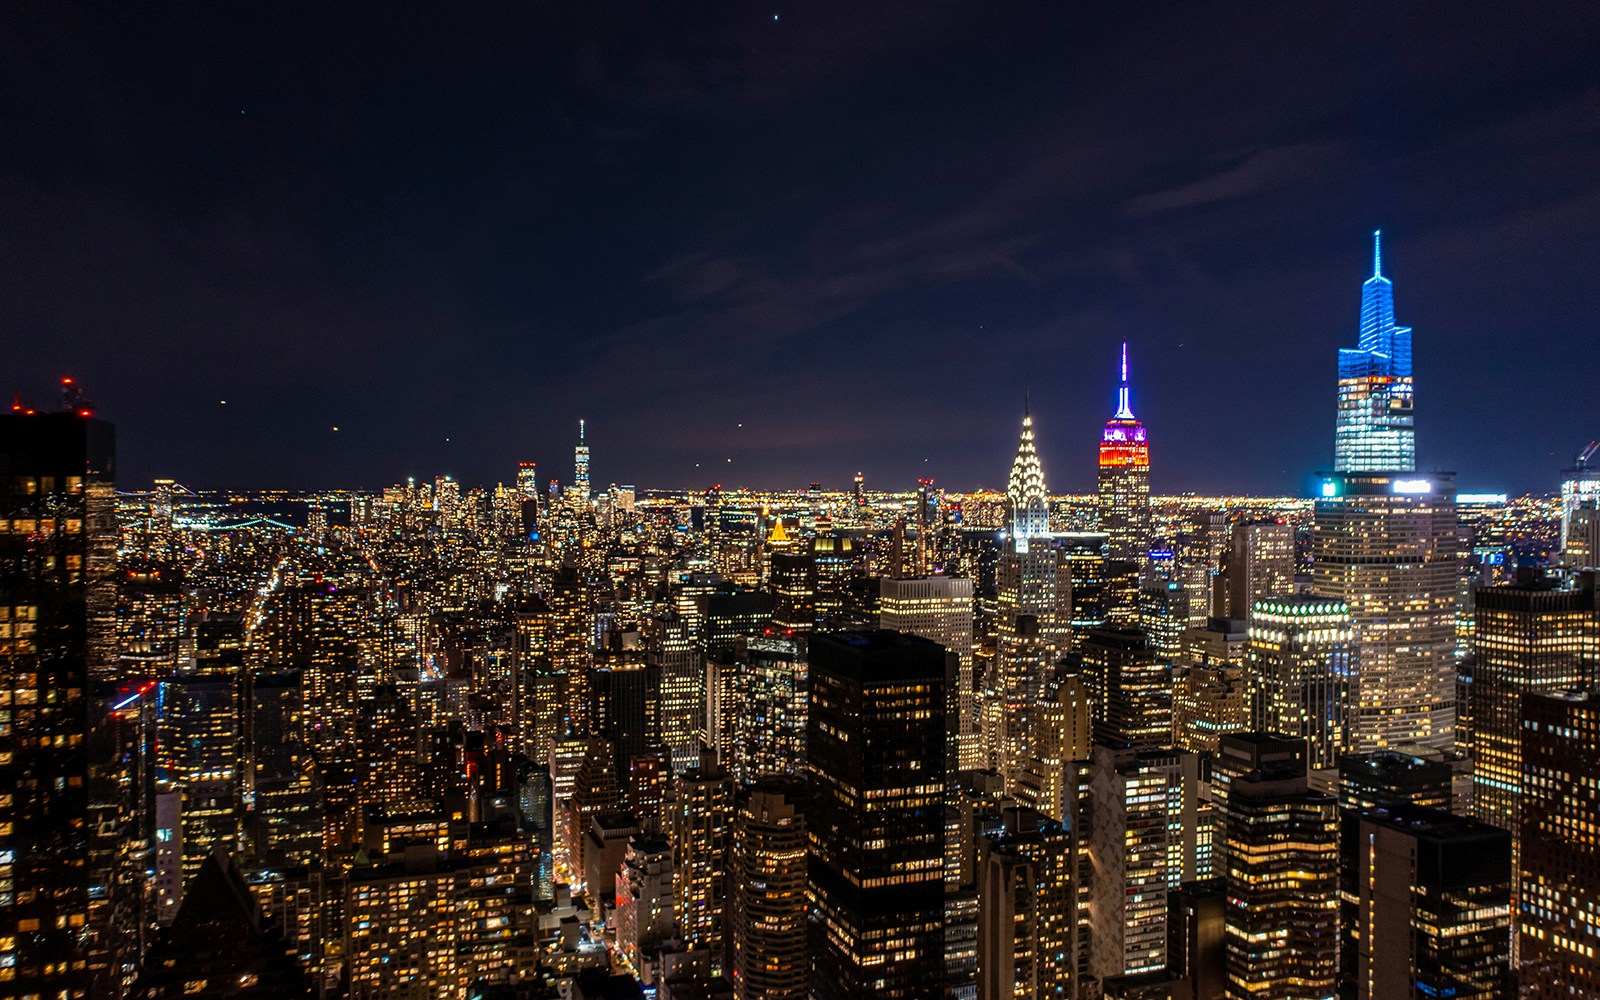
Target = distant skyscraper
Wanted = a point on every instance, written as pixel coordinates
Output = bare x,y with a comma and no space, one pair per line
1386,546
876,755
578,493
1300,672
1260,565
1375,430
1558,901
1124,481
1026,500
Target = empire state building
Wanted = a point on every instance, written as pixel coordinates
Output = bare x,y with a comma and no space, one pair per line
1124,480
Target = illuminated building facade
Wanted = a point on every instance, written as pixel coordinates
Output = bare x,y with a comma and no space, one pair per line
578,494
1061,733
1260,564
1143,843
701,829
1131,688
1375,429
645,915
1124,480
770,708
939,608
1281,922
1534,636
55,494
1209,694
1386,546
1027,917
1026,499
1558,902
876,744
1429,899
769,892
426,924
1300,671
670,647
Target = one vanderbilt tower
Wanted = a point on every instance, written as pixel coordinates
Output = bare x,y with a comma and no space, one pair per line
1383,542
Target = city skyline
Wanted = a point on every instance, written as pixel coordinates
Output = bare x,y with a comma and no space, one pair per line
454,258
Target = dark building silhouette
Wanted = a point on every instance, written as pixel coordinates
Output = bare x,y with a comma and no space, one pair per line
220,946
876,741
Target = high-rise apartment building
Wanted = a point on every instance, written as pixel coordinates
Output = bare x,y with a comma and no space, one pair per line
701,824
1385,545
1558,902
876,744
1375,430
1300,672
939,608
56,499
1124,480
768,905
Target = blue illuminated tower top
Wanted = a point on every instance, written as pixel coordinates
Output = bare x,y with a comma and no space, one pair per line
1375,429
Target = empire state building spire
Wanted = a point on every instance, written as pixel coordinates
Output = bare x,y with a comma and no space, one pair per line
1025,494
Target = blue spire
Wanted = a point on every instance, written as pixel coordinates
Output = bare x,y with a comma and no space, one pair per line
1377,253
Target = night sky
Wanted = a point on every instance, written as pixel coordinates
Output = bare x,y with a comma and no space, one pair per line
809,238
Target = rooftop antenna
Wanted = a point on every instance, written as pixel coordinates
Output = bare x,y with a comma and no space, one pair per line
1377,253
1124,410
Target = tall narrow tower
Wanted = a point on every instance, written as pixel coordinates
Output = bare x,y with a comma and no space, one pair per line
1375,430
579,491
1124,484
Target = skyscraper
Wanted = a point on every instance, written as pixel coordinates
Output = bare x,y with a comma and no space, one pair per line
1299,673
578,494
1385,545
1260,565
1375,429
1027,913
1282,915
1429,900
1533,637
1124,480
876,754
1558,901
1026,500
55,499
939,608
769,892
1130,686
